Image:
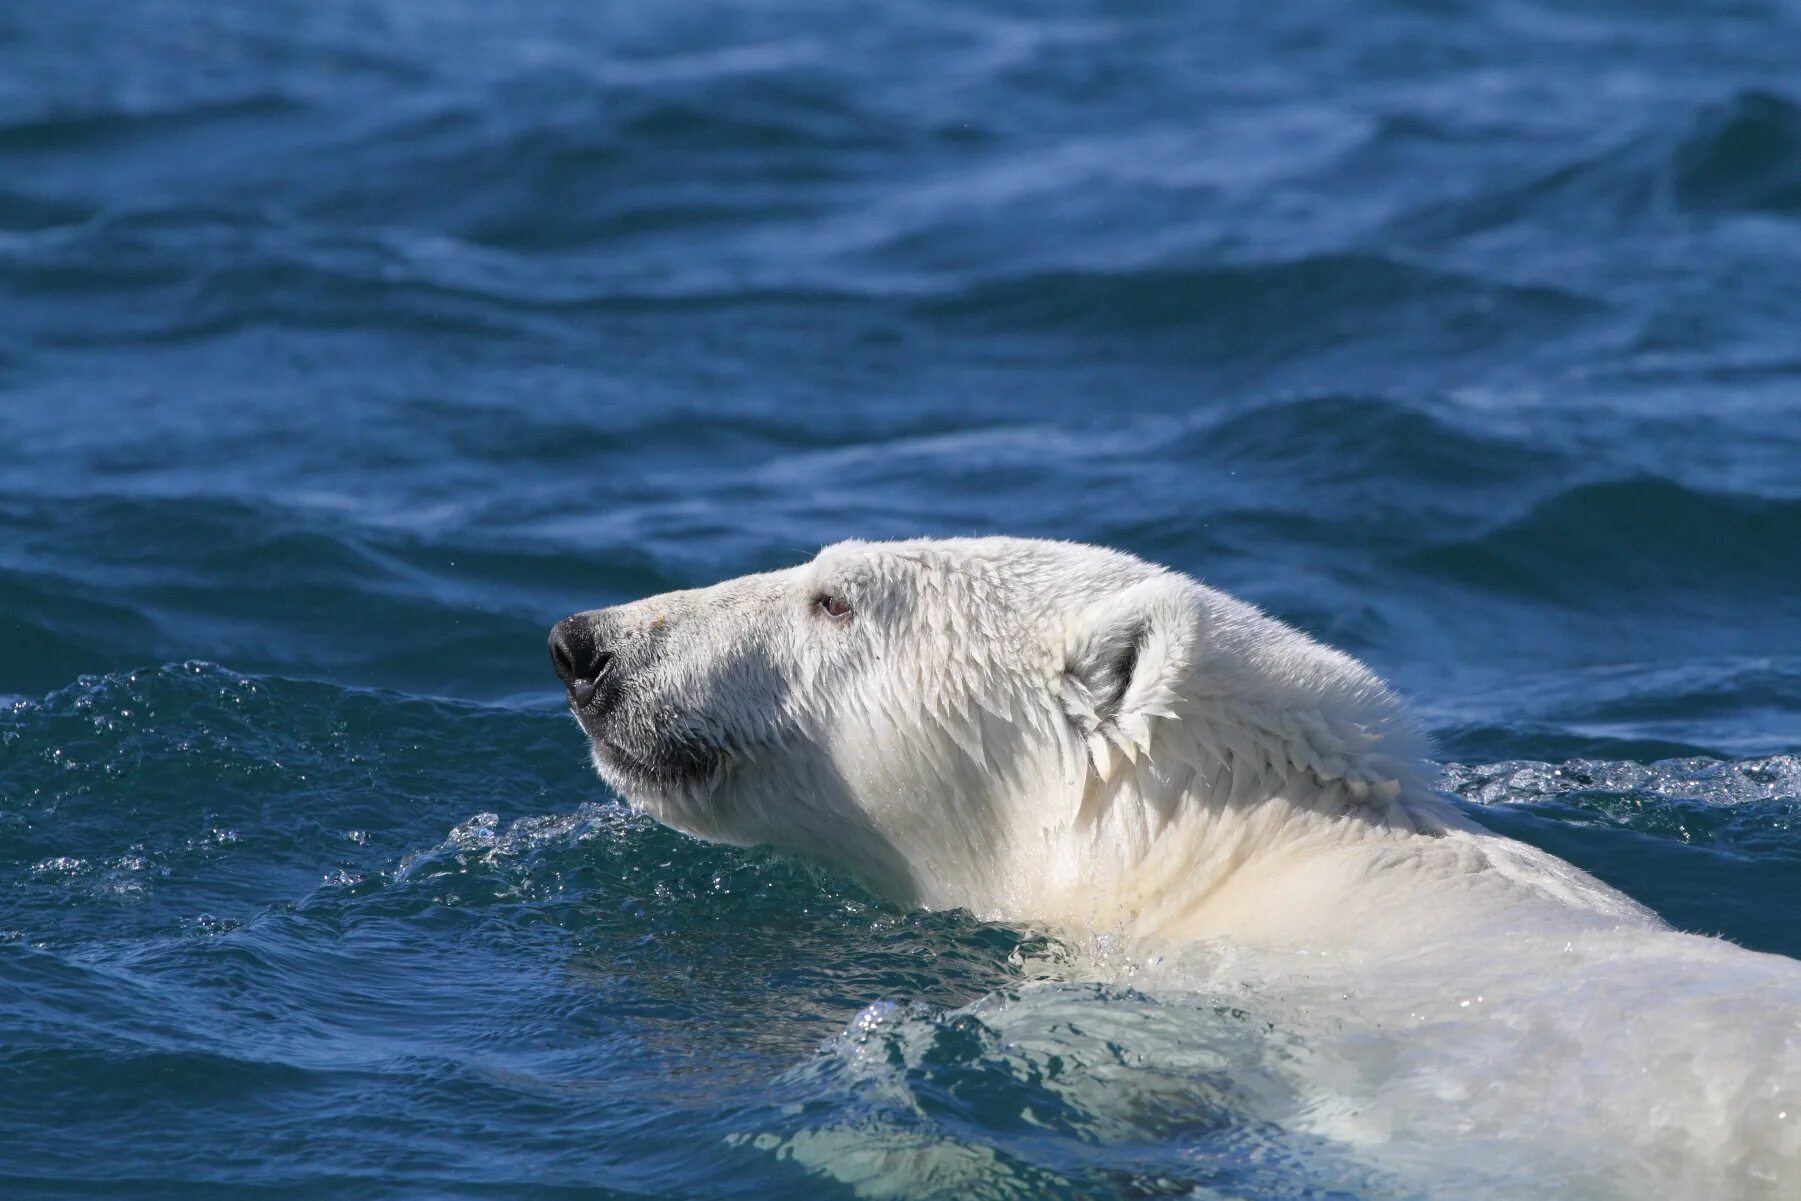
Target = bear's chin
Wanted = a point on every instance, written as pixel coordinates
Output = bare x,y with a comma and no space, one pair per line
629,761
662,780
680,804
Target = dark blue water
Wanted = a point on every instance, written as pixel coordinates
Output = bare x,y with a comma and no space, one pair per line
346,346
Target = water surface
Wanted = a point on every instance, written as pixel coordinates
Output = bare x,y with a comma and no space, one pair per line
346,346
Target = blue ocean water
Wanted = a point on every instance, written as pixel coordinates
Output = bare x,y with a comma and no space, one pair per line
345,346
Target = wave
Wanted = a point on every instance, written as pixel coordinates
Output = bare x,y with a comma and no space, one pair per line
1742,155
90,580
1586,545
190,273
99,129
967,1098
186,273
21,212
1268,305
1708,843
1739,155
56,629
1695,799
539,162
565,163
1331,437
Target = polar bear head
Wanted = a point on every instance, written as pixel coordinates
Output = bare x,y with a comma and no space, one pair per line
976,722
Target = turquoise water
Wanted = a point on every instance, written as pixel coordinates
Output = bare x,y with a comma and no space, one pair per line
345,347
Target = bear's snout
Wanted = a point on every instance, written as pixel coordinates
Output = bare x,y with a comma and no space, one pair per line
580,656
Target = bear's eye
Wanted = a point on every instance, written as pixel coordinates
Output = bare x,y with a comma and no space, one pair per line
832,605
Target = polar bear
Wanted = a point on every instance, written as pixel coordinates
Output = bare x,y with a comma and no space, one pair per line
1054,733
1049,731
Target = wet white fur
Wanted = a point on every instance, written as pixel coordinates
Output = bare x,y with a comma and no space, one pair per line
1475,1009
961,740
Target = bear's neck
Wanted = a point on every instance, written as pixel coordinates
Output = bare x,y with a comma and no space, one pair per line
1164,830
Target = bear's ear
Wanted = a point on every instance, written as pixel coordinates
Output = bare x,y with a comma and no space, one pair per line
1125,658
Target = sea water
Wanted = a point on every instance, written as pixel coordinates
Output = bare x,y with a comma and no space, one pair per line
344,347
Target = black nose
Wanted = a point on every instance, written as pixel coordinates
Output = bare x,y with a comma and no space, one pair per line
578,657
